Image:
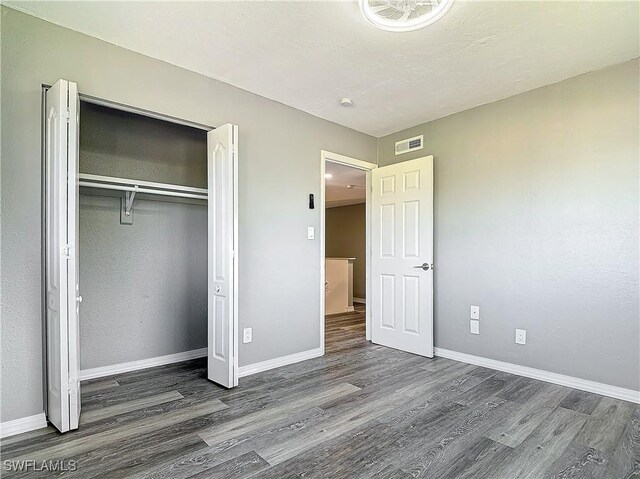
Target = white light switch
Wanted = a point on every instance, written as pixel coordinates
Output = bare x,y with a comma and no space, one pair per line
311,232
521,336
475,312
247,335
475,326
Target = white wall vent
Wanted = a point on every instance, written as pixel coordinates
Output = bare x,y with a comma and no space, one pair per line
410,144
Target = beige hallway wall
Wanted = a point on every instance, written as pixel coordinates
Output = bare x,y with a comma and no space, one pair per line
346,238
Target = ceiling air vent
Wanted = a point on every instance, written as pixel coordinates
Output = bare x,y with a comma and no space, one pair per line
410,144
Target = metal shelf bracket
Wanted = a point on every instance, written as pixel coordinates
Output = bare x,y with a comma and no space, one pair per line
130,195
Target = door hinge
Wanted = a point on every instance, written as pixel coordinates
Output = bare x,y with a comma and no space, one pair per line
67,251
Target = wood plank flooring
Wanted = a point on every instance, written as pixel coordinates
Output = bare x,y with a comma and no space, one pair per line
361,411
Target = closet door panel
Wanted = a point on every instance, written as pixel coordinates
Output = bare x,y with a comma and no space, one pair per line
55,253
73,275
61,230
222,268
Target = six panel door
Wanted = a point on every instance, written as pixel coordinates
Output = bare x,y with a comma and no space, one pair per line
402,256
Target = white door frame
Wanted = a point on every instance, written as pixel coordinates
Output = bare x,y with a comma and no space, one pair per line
367,168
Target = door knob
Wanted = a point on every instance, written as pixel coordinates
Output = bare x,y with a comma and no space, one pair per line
79,299
423,266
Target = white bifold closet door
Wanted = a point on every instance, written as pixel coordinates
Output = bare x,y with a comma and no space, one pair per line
222,144
62,290
402,256
61,264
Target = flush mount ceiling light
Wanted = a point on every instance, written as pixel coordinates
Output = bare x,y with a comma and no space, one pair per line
403,15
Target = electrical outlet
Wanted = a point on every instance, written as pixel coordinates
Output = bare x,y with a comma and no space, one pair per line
521,336
474,326
247,336
474,313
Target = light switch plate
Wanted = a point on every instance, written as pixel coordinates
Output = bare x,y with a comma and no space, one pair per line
521,336
474,313
247,335
475,326
311,232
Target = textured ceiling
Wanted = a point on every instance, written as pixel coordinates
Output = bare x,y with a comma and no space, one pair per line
309,54
336,191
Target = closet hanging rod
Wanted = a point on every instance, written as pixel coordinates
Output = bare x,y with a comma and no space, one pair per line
104,186
99,181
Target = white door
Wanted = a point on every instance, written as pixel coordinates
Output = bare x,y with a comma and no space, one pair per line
61,218
222,146
402,256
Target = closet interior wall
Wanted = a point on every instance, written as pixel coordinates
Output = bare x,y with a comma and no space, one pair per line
144,285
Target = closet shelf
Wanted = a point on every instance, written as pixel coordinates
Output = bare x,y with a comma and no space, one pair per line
139,186
132,187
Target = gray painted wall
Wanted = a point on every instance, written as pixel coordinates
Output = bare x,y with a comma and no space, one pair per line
118,143
155,302
279,166
144,286
345,237
536,221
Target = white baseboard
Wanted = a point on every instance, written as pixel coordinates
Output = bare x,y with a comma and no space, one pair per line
23,424
279,362
141,364
360,300
555,378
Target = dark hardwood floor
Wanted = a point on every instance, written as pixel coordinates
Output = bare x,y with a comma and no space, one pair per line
360,411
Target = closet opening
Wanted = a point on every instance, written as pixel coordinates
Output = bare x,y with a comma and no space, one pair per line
143,281
140,248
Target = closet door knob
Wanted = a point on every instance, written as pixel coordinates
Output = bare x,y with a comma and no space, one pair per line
217,289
